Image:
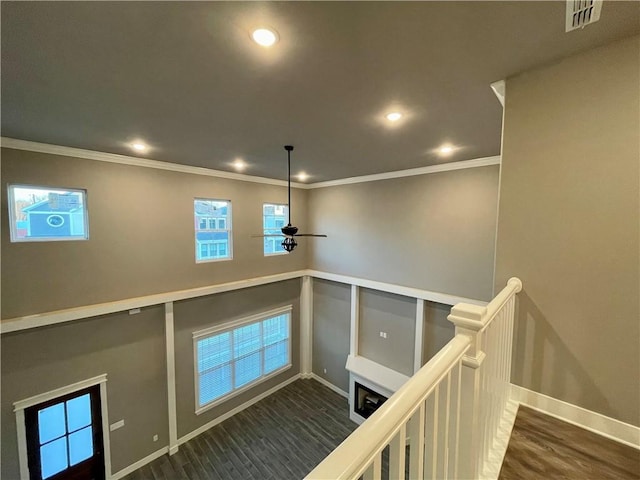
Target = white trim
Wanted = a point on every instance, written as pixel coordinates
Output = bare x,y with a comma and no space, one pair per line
326,383
22,445
499,88
80,153
77,313
171,377
106,431
20,406
417,349
58,392
444,167
139,464
83,154
437,297
235,410
205,332
594,422
306,325
354,328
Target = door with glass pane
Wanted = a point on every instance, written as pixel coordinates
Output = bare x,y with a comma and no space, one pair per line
64,437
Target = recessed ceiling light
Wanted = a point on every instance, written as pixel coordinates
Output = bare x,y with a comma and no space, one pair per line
139,146
393,116
303,176
445,150
239,164
264,36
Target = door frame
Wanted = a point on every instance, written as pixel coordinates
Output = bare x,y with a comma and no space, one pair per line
21,405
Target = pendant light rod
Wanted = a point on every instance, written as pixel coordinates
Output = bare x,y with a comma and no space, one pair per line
288,148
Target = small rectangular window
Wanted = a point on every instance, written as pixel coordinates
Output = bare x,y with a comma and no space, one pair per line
212,220
274,217
232,357
39,214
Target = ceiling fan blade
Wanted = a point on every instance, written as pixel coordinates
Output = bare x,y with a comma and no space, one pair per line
269,235
310,235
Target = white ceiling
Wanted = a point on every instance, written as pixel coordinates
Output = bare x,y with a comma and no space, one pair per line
186,78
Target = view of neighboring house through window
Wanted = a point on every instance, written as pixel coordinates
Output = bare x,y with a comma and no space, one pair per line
46,214
232,357
212,229
274,218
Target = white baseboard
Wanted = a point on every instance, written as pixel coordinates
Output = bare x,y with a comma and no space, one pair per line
592,421
235,410
139,464
326,383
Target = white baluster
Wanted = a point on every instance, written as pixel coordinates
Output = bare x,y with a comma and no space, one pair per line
397,454
416,449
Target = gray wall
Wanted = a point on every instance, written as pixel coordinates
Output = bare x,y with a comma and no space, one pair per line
434,232
331,331
198,313
129,349
141,234
569,228
437,331
395,315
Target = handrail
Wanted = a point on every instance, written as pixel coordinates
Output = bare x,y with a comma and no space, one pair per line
354,454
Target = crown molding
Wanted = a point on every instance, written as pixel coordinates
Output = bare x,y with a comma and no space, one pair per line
136,161
444,167
80,153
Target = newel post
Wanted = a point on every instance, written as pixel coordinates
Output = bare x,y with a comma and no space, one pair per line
469,320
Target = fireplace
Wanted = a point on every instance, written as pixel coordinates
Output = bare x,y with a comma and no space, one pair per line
367,401
370,385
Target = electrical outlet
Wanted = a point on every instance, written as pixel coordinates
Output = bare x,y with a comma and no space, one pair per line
383,334
155,438
324,370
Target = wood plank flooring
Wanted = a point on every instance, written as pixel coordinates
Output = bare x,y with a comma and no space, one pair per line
543,447
281,437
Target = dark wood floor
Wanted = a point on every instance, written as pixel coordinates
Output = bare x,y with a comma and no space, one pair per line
543,447
281,437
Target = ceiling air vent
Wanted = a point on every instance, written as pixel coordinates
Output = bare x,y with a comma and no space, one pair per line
581,13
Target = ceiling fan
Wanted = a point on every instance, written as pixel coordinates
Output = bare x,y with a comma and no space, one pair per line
289,231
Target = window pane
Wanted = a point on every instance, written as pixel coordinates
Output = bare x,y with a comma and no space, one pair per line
46,214
247,369
51,423
275,329
53,457
214,384
246,340
80,445
214,351
213,216
78,412
274,218
276,356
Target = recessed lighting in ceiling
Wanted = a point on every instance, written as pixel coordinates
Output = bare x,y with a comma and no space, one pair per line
445,150
303,176
139,146
265,37
239,164
393,116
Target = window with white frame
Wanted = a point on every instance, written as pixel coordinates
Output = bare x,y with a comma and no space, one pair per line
231,358
39,214
274,217
212,220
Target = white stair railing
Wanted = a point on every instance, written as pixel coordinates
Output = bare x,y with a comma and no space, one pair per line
450,414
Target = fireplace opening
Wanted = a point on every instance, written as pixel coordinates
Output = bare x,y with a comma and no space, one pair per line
367,401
